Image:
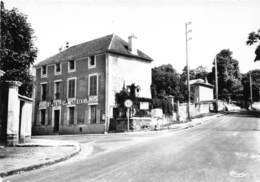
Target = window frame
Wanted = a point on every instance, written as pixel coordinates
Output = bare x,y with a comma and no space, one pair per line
71,70
55,67
68,115
91,75
45,116
46,69
55,89
90,120
75,87
44,83
89,61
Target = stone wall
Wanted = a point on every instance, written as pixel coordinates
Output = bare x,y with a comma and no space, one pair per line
196,109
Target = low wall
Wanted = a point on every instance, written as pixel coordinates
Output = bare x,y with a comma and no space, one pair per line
69,129
196,109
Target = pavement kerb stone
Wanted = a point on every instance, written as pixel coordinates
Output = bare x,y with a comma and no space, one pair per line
47,163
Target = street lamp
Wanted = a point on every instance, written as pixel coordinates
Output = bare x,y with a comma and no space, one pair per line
187,31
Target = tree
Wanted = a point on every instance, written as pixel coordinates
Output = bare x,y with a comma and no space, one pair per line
17,50
201,72
255,75
165,81
197,73
254,38
229,76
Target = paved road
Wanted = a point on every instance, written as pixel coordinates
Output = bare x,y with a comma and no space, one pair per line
224,149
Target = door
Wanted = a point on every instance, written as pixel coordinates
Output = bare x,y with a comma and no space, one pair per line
56,120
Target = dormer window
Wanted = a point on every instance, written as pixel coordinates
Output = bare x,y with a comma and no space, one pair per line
71,66
57,68
92,62
44,71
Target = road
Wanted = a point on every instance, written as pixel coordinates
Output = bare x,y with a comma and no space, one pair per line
224,149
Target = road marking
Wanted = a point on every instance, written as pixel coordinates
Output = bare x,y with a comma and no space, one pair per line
240,154
237,174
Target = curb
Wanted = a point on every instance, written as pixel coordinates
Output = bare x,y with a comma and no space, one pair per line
37,166
179,126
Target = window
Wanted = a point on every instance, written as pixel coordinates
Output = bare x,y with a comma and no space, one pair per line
93,110
42,116
93,85
72,88
57,68
71,115
72,66
43,91
92,62
44,71
57,90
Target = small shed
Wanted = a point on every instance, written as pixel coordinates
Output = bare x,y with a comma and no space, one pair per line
203,91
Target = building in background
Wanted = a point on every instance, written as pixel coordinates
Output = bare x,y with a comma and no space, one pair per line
202,90
1,73
75,89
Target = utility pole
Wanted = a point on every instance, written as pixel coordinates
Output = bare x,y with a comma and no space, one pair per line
216,82
251,91
188,68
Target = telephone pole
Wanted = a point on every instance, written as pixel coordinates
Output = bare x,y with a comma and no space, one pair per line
251,90
187,31
216,82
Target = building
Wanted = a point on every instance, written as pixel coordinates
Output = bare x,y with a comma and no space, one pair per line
75,89
1,73
203,91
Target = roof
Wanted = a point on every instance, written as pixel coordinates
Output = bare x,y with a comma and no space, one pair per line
200,82
107,44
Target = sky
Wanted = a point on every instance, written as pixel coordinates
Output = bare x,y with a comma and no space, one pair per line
158,24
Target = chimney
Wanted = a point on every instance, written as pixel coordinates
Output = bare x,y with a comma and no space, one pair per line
132,44
67,45
206,79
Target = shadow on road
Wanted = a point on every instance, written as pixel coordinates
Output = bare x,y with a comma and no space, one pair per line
252,114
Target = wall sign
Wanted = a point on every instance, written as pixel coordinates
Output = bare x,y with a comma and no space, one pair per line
144,105
66,102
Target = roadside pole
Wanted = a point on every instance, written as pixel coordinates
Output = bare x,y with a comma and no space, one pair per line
128,103
251,90
128,115
188,68
216,82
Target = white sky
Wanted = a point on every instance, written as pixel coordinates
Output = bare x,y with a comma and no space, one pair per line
158,24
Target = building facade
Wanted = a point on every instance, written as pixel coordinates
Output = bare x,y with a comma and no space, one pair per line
75,89
202,90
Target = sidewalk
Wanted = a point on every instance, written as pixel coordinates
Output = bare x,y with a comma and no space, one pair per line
33,155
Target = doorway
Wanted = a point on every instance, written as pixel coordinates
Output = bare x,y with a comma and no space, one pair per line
56,120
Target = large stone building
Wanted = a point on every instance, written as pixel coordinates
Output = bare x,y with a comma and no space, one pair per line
75,89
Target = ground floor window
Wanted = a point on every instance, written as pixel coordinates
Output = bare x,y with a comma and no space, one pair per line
42,116
93,111
71,115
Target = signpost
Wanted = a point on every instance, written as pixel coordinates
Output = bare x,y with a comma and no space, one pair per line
128,103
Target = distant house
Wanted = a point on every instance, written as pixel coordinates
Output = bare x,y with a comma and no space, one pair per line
203,91
1,73
75,89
